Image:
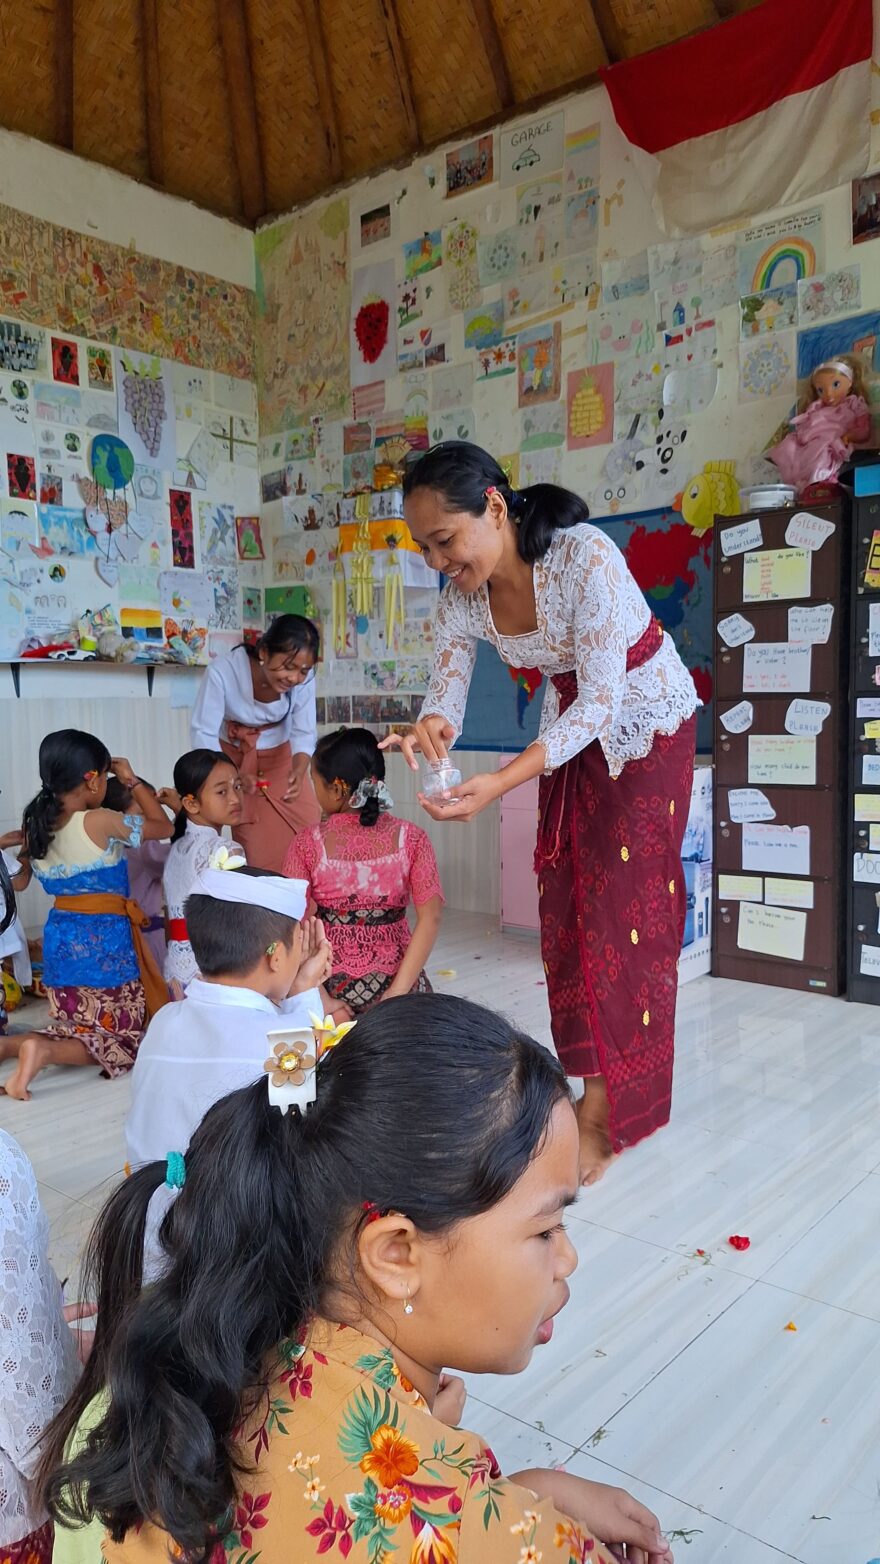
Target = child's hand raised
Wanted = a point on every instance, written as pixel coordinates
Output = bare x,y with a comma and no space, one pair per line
317,959
449,1402
122,771
171,799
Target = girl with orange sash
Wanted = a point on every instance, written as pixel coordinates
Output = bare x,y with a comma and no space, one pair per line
100,975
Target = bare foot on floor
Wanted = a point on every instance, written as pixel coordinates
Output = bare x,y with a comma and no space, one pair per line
33,1055
597,1153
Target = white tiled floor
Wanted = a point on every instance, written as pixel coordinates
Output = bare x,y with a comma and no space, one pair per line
670,1374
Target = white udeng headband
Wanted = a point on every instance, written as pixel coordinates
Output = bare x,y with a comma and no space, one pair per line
838,365
275,892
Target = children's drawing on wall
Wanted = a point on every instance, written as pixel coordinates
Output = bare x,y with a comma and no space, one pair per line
99,368
775,309
542,426
375,225
484,326
21,477
249,537
837,293
767,368
710,493
781,251
182,537
590,407
539,364
423,255
492,363
65,361
145,408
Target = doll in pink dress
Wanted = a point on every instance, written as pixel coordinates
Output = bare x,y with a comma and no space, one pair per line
835,418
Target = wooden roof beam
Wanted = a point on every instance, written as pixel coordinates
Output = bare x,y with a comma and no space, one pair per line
494,50
402,72
153,91
234,42
323,85
608,28
64,73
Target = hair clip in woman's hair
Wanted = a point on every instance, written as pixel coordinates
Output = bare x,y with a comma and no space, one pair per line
371,1210
492,489
90,776
372,787
222,858
292,1067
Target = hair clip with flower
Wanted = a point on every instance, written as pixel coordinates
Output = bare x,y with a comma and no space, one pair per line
292,1066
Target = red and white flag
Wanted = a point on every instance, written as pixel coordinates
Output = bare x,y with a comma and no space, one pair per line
761,111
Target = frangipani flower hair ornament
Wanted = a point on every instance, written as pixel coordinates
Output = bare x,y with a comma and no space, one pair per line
222,858
292,1065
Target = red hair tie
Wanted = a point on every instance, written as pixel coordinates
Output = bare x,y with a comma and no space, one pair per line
372,1210
491,490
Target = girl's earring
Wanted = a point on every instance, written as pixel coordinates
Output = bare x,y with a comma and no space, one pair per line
408,1305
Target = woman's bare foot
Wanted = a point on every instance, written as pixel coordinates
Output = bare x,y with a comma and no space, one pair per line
33,1056
597,1152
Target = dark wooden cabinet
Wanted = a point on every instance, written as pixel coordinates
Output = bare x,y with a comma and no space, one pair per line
781,597
863,793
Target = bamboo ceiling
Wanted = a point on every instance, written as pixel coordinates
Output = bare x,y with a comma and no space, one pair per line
249,107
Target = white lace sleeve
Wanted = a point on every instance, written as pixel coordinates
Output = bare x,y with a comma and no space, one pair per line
455,652
594,585
38,1364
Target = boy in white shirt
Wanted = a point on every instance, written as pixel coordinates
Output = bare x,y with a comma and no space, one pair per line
258,962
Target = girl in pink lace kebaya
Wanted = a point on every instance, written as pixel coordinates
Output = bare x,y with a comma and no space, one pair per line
364,867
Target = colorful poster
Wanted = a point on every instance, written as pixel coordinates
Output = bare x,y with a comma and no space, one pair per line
539,364
249,538
424,254
470,166
373,341
183,550
590,407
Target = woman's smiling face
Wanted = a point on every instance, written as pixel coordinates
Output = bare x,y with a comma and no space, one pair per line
466,548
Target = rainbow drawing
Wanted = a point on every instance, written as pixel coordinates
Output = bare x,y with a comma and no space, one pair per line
578,141
788,260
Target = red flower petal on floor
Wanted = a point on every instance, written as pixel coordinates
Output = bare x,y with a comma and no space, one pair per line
736,1241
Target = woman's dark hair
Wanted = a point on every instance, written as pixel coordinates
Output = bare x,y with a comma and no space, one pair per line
266,1223
287,635
7,898
66,758
349,755
191,772
228,938
461,474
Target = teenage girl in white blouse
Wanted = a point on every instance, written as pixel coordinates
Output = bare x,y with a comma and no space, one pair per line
614,753
257,704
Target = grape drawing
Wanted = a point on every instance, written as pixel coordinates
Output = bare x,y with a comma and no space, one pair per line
144,395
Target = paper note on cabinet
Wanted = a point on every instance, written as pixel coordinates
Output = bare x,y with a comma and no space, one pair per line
868,706
789,893
810,626
874,838
866,806
871,770
874,629
872,730
785,761
777,573
776,849
739,718
740,887
806,716
740,539
806,531
734,630
774,667
869,961
866,868
772,931
747,804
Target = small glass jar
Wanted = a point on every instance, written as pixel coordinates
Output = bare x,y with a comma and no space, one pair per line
440,778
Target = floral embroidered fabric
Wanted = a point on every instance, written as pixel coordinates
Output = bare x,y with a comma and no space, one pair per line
187,857
356,868
38,1366
344,1458
590,611
93,950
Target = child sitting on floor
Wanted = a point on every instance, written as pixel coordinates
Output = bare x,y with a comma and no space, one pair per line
260,967
335,1240
208,787
99,973
364,867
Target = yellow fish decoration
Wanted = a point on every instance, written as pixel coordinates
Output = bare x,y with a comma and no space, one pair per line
713,492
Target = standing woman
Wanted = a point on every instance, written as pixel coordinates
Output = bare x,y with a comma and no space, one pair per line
257,704
615,755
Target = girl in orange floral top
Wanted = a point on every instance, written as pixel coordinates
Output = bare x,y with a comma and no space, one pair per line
277,1395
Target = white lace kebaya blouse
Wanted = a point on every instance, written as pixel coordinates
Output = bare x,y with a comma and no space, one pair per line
590,612
38,1362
